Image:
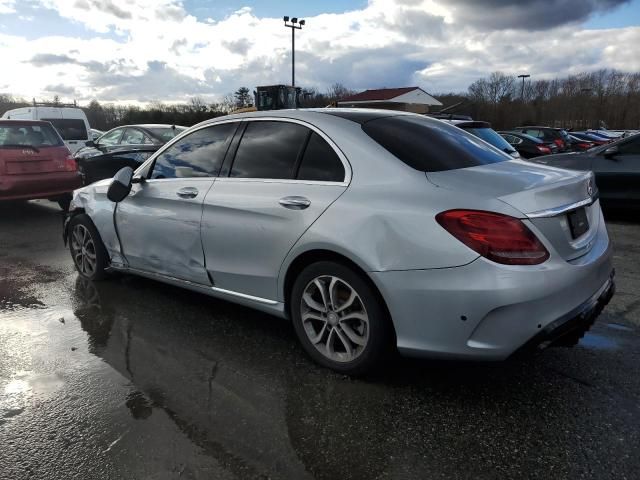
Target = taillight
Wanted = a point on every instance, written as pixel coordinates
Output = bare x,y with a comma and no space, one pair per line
585,146
500,238
559,142
543,149
70,164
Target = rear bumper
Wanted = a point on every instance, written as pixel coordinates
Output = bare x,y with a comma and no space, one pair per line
569,329
486,311
45,185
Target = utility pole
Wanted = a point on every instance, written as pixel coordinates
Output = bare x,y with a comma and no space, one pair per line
293,25
522,92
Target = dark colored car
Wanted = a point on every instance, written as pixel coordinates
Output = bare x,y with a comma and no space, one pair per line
126,146
547,134
484,131
528,146
615,165
586,136
35,163
579,145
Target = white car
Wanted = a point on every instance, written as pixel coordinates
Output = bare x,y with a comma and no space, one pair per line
70,122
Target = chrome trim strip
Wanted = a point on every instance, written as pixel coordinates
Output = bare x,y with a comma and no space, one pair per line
284,180
552,212
245,296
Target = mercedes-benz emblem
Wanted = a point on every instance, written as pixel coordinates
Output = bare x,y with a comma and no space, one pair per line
589,188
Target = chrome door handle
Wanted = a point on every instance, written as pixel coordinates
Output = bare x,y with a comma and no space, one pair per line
295,203
187,192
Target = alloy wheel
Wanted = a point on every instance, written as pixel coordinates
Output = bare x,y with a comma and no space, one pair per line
334,318
84,250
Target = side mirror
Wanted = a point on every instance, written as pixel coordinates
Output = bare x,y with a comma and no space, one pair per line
120,185
611,152
90,143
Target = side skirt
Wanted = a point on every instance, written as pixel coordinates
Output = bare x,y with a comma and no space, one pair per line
263,304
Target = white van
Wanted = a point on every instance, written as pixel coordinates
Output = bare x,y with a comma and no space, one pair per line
70,122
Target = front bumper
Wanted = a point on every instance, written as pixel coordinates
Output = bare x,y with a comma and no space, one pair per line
486,311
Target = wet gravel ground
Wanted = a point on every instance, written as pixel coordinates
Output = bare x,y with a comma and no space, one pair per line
134,379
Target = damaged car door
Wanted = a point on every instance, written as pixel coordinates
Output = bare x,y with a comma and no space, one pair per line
159,222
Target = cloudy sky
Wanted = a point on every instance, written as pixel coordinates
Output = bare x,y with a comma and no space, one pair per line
171,50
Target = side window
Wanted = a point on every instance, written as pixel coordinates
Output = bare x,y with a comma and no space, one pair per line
132,136
199,154
320,162
110,138
269,149
631,147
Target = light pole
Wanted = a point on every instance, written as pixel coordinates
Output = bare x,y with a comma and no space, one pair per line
522,93
293,25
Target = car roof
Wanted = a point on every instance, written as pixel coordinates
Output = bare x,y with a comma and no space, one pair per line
521,135
151,125
358,115
469,123
23,122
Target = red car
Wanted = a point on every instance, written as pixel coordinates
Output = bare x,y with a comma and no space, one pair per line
35,163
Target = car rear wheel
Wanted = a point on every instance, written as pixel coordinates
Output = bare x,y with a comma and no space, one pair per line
87,250
339,319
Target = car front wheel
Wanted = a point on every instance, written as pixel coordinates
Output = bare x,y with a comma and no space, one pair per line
339,319
87,250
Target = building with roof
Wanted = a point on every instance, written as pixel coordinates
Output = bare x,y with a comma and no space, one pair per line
408,99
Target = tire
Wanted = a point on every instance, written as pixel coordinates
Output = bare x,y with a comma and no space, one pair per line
82,232
351,331
64,202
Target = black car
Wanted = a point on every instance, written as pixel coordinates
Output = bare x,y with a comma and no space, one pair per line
528,146
547,134
484,131
126,146
615,165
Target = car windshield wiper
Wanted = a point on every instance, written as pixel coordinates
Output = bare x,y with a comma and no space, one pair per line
31,147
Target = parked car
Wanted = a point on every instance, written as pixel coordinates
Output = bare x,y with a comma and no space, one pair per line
616,167
129,145
95,134
610,134
70,122
368,229
577,144
484,131
528,146
546,134
35,163
595,139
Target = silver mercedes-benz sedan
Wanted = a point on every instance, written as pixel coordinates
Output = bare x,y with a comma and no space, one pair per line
369,229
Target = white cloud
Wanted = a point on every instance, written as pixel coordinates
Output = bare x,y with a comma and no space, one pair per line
7,6
161,52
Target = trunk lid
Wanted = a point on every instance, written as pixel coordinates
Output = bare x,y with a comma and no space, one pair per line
546,196
25,160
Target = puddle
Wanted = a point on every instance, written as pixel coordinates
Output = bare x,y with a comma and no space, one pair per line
598,342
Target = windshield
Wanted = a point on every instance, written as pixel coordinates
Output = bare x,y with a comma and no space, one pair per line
489,135
29,135
166,133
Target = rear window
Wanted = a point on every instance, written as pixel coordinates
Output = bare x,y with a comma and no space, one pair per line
431,145
69,128
32,135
